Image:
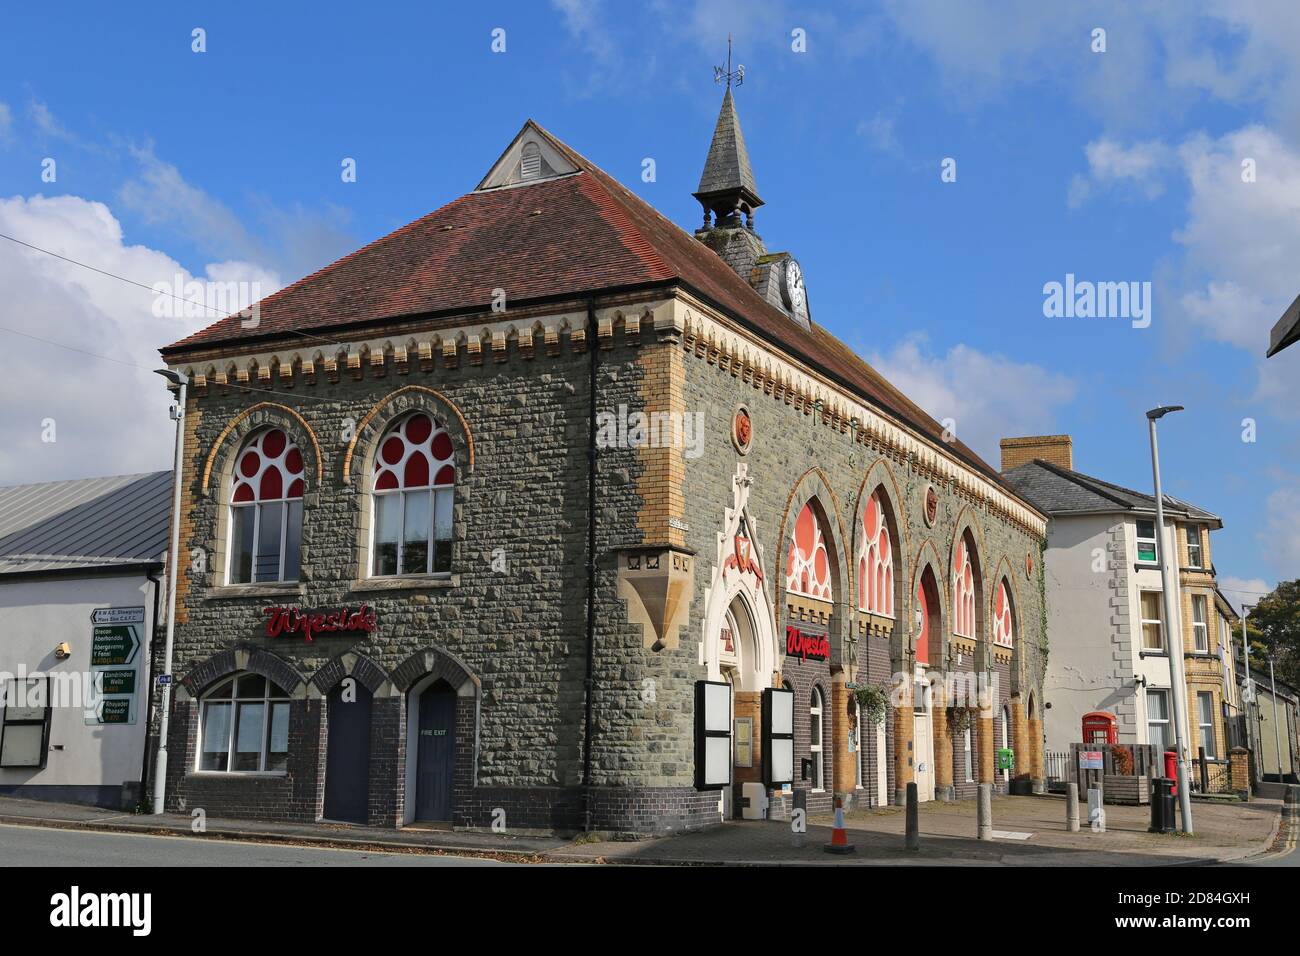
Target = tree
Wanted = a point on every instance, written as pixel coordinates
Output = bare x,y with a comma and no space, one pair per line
1274,626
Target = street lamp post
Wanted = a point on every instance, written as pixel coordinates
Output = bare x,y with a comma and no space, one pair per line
1177,678
173,560
1277,723
1246,684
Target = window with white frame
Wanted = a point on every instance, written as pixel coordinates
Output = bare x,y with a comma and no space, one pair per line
815,739
244,726
1004,624
963,589
1205,722
875,560
413,491
1153,636
966,754
25,725
1194,558
1146,541
1200,625
266,511
1158,729
858,738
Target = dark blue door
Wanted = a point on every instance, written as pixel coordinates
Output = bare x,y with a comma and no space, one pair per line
347,759
436,751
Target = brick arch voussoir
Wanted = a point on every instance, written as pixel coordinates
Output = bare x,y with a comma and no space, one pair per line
409,399
814,483
436,662
259,661
220,460
366,671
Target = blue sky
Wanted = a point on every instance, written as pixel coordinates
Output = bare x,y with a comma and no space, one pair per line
1122,165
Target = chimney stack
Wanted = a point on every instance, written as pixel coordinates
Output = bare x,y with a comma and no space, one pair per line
1054,449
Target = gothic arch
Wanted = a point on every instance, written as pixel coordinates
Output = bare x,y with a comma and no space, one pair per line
366,671
436,662
221,458
240,658
966,528
928,557
813,484
880,477
408,399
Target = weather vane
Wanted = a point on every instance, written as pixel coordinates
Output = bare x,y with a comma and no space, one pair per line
738,74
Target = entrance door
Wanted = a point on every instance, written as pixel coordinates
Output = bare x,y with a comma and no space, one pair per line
435,752
923,757
347,759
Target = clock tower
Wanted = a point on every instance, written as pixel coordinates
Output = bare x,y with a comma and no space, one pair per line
729,195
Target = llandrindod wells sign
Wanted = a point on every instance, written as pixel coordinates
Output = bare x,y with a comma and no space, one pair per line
311,622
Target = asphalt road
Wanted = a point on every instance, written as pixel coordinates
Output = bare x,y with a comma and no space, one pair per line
45,846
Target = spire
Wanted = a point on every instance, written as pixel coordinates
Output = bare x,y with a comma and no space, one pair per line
727,186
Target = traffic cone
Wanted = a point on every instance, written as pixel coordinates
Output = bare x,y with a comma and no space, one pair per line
839,836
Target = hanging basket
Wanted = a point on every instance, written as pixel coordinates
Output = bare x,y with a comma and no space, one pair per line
872,703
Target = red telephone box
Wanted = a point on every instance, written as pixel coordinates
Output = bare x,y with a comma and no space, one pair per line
1100,727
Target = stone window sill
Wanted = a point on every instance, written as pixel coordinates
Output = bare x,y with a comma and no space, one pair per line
278,589
412,582
236,774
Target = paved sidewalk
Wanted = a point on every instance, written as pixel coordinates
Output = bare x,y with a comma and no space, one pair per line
411,839
1225,833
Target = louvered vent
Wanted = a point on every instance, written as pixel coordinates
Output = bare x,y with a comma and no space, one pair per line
530,161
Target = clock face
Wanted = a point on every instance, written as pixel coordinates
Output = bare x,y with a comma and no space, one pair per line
796,299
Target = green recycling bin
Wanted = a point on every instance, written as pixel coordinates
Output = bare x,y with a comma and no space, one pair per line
1006,758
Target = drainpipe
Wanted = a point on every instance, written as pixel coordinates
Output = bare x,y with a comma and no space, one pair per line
589,681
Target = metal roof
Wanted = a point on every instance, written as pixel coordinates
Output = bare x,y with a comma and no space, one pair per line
1058,491
86,523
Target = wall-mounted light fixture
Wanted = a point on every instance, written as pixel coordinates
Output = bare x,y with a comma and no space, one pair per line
62,651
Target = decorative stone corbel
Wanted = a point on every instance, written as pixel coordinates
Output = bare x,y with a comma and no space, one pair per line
656,584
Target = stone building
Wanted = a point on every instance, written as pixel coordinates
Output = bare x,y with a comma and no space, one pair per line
543,441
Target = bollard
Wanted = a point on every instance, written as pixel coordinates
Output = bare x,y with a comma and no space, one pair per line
984,811
1072,807
913,839
1096,812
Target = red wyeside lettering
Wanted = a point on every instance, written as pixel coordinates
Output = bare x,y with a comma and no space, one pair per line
806,645
283,621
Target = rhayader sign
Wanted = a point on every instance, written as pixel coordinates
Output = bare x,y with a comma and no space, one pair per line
308,622
804,645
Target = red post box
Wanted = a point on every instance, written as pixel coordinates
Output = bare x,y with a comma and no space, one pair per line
1171,769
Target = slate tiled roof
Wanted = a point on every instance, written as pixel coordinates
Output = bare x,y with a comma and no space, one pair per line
1054,490
1286,331
87,523
727,166
556,239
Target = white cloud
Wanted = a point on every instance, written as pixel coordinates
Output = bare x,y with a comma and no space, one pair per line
1241,591
1281,535
988,397
108,417
1139,167
1242,239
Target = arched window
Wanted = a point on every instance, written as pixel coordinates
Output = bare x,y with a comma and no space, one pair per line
963,591
808,566
1004,624
875,561
266,510
244,726
815,739
414,488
